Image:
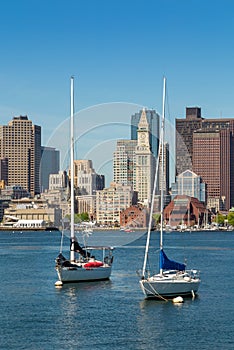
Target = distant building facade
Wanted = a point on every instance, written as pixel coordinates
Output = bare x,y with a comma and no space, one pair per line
124,162
87,204
184,210
184,138
189,184
4,204
20,143
28,209
14,192
4,171
213,160
57,181
165,181
134,217
58,198
111,201
206,146
50,159
86,179
134,161
145,162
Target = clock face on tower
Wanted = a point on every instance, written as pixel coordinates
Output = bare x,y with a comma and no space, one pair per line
142,136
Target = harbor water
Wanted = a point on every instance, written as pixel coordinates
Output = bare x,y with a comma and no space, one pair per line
113,314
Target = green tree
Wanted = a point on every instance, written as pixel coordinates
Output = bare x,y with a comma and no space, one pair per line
84,216
230,218
220,218
156,218
78,218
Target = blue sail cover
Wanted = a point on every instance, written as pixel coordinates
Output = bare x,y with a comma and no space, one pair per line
167,264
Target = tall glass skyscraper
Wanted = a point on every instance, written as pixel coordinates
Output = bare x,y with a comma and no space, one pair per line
50,158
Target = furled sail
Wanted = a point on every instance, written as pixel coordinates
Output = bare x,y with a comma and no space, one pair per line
78,248
167,264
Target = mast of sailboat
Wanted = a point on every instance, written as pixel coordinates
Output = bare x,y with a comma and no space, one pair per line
72,252
162,168
152,199
151,214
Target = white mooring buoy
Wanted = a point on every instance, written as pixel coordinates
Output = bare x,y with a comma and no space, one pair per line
178,300
58,284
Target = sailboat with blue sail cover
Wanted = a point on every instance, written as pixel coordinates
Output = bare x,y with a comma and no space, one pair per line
173,279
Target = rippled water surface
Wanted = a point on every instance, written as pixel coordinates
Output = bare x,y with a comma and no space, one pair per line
113,314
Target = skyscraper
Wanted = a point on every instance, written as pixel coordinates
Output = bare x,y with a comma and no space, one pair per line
184,138
50,158
124,162
20,143
213,160
206,146
153,122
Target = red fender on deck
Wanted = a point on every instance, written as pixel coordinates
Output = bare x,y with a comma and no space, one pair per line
93,264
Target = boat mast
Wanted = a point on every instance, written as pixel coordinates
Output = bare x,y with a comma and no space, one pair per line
72,252
151,214
162,167
161,141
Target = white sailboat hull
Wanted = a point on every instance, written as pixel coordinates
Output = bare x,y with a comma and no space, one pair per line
81,274
173,280
169,286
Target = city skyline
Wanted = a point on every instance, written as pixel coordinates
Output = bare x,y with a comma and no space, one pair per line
91,145
118,52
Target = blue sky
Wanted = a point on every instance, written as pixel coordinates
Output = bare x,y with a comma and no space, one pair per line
118,51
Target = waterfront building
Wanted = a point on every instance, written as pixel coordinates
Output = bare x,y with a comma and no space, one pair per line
33,209
111,201
50,159
124,162
190,184
184,211
20,143
145,162
134,217
153,122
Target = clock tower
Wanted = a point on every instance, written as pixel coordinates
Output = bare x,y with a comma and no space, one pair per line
143,133
145,162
